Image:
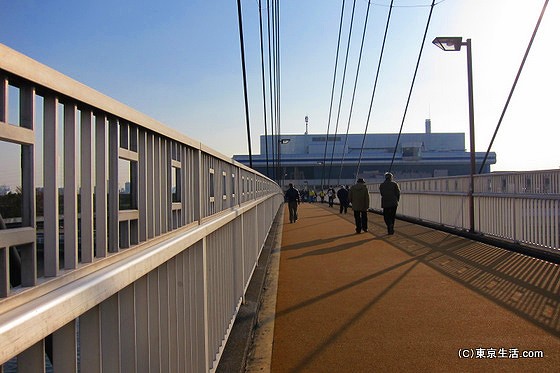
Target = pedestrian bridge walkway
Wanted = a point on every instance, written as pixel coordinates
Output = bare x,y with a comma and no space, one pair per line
419,300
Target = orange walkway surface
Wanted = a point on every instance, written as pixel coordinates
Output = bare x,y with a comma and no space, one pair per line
420,300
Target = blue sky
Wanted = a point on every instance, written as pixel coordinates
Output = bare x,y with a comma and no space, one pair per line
179,62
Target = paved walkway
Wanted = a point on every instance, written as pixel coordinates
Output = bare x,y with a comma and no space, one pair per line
420,300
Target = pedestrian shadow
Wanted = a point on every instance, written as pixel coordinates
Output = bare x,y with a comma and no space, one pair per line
317,242
333,249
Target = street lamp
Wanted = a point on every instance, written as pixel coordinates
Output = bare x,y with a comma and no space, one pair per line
453,44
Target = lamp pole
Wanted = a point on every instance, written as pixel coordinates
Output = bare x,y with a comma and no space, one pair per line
455,44
281,142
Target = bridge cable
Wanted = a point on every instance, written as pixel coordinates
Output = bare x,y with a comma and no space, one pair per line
271,95
353,93
277,83
342,89
263,87
240,23
513,86
412,84
332,94
374,87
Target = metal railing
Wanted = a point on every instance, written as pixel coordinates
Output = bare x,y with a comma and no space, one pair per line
521,207
148,277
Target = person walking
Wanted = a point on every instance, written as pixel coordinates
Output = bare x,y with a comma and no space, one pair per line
342,195
331,193
359,198
292,197
390,196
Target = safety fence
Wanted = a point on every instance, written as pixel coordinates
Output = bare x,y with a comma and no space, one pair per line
520,207
132,245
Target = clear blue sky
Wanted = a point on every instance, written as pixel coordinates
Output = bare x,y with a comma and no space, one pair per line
179,62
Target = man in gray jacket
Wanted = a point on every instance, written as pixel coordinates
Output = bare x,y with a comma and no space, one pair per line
359,198
390,195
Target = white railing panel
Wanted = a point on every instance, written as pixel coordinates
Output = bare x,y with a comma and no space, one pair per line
162,303
518,206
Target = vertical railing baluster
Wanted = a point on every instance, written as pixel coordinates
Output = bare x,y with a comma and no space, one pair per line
150,186
90,341
168,193
28,251
134,175
70,188
157,186
142,183
65,349
100,186
32,360
50,190
86,186
165,188
113,195
110,334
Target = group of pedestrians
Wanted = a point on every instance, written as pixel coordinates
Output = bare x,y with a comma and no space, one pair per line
358,196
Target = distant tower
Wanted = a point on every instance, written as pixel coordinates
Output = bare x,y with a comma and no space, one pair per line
306,123
428,126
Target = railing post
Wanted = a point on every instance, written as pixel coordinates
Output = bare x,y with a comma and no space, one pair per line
100,186
50,190
113,223
28,251
70,188
142,186
86,188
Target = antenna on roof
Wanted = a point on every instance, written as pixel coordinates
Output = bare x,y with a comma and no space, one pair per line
306,123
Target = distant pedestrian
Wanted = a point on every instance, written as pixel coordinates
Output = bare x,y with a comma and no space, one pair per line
390,196
322,196
331,193
359,198
312,196
342,195
292,197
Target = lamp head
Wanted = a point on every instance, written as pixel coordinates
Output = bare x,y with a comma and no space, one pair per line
448,43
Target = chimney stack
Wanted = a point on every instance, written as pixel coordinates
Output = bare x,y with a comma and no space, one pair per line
428,126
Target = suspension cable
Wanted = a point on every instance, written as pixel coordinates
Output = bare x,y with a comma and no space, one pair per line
332,95
263,87
412,84
240,22
342,89
271,95
277,75
374,87
514,85
353,94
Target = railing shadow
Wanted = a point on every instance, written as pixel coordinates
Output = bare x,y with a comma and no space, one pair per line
525,286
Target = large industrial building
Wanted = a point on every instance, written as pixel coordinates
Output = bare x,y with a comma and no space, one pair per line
302,158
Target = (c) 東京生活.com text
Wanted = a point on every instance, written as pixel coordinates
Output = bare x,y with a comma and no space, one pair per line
499,353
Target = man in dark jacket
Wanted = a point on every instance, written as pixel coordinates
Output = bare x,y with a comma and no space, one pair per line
292,197
342,195
390,195
359,198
